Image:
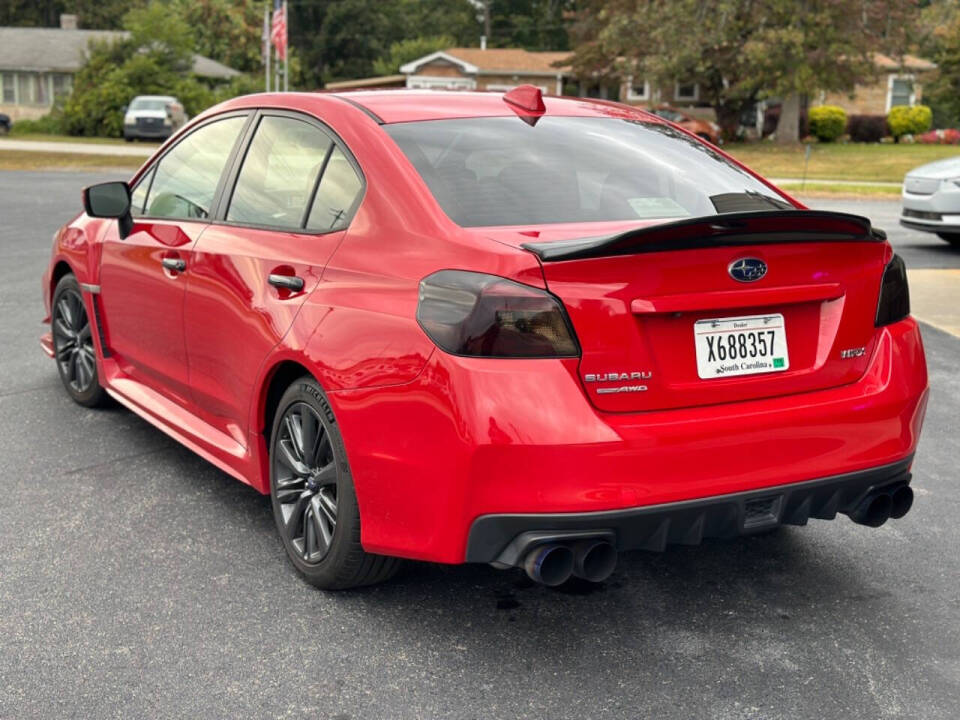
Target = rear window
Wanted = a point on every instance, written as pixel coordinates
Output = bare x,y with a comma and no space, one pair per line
503,171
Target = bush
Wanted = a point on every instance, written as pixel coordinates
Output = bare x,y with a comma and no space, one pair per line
50,124
827,122
867,128
940,137
903,120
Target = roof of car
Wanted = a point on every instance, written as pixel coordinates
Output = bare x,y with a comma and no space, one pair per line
393,106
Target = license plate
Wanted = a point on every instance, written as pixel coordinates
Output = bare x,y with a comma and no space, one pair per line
727,347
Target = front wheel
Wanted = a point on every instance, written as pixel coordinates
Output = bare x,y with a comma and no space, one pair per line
952,238
311,490
73,344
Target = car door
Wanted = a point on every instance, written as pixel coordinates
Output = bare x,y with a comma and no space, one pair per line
142,276
291,198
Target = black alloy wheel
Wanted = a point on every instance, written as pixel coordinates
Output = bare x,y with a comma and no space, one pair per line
73,344
311,489
305,476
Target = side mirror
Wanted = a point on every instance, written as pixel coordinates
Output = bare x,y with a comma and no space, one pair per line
123,109
110,200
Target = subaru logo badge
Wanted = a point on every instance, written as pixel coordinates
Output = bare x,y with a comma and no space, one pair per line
747,269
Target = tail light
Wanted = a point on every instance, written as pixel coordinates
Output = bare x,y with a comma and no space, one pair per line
894,301
477,315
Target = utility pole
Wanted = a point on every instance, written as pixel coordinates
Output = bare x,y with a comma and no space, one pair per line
486,18
266,46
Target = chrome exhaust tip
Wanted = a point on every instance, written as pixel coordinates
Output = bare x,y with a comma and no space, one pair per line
873,510
549,565
901,501
594,560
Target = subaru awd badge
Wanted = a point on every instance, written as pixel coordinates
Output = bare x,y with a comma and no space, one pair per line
747,269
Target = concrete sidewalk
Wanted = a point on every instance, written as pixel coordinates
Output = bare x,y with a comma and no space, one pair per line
78,148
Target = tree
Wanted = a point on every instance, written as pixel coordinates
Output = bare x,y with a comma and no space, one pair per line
940,41
228,31
741,50
406,50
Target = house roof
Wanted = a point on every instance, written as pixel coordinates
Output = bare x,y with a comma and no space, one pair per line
497,61
909,62
57,50
370,82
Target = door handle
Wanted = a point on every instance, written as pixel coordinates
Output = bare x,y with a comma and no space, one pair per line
175,264
287,282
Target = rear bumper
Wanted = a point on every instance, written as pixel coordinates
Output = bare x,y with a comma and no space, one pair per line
504,538
470,438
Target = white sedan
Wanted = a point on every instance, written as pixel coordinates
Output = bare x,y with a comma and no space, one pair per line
931,199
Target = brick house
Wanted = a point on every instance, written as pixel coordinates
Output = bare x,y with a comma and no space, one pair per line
488,69
898,83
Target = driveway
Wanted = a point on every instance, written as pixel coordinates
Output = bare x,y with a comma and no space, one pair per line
136,580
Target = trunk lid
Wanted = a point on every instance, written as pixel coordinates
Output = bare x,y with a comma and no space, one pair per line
637,298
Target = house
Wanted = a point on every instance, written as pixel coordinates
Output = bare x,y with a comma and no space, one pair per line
37,65
481,68
898,83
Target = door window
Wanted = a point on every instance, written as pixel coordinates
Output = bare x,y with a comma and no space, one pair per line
186,178
339,191
279,173
138,196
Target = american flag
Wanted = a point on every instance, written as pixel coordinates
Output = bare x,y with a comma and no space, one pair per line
278,29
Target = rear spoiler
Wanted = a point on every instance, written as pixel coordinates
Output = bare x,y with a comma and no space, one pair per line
745,228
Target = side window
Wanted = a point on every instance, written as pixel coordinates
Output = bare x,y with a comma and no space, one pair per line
339,190
186,178
138,196
279,173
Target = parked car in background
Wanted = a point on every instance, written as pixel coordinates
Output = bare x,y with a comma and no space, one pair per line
153,117
705,129
931,199
511,329
5,124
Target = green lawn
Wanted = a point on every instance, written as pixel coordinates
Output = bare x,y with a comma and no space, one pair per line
43,137
830,161
31,160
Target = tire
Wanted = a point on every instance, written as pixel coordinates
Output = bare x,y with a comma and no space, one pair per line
73,347
952,238
312,494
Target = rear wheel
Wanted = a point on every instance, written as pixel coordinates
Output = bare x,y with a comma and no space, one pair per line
311,490
952,238
73,344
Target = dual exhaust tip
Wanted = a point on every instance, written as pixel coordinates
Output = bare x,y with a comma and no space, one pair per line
881,505
553,564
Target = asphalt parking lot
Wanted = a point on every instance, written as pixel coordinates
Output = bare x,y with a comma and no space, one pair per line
136,580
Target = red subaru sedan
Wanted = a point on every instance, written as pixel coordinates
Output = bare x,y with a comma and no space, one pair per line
509,329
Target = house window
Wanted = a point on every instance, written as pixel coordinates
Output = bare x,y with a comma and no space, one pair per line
62,85
41,88
428,82
25,89
686,91
8,81
638,89
900,91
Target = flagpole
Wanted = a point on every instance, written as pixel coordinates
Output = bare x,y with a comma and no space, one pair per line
286,49
266,45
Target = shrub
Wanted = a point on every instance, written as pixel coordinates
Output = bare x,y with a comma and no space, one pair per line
903,120
940,137
827,122
50,124
867,128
